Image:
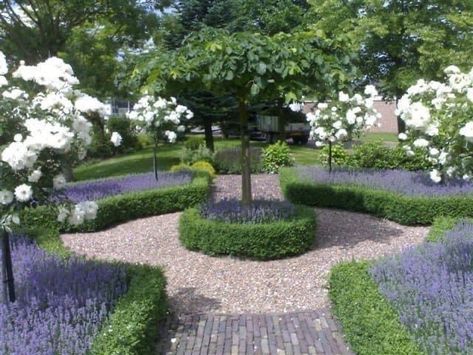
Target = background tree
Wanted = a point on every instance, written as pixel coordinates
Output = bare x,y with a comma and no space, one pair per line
399,41
250,67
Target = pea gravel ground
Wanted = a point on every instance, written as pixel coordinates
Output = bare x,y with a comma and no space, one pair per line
199,284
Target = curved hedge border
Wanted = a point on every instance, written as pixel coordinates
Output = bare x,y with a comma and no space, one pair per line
370,324
262,241
403,209
132,326
122,208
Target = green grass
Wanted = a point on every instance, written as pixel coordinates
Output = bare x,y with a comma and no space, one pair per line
169,154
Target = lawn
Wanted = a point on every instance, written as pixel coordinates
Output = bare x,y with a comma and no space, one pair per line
169,154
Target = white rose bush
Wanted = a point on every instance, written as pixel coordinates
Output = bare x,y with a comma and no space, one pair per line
43,125
439,123
340,120
161,118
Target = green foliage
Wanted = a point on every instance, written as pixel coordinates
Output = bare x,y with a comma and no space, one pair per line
340,156
202,153
124,127
276,156
369,322
262,241
194,143
204,166
379,156
228,161
405,210
440,226
132,327
122,208
180,168
396,40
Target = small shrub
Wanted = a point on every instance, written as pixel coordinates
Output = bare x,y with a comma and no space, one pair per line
276,156
228,161
233,211
123,126
180,168
193,143
191,156
262,241
144,140
378,156
204,166
340,157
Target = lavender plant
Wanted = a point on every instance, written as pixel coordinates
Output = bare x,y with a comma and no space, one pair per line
259,211
399,181
98,189
60,304
432,288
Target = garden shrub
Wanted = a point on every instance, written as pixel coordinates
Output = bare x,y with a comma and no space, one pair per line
123,126
228,161
276,156
370,324
194,142
191,156
204,166
404,209
261,241
340,157
378,156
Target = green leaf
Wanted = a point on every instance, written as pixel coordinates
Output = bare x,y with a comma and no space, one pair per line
254,89
229,75
261,68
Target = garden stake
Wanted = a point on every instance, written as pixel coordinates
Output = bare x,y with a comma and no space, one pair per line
7,269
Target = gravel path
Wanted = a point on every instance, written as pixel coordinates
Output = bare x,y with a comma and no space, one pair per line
201,284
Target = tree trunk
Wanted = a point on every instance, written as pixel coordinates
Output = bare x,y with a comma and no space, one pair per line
7,268
246,196
155,157
209,138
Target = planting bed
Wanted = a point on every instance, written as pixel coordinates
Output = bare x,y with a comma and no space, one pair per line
405,197
417,302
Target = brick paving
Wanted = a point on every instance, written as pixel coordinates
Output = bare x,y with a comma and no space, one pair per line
307,332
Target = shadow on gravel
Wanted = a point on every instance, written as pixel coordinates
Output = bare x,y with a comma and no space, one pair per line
343,229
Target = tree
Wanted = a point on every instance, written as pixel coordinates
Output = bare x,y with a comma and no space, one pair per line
399,41
250,67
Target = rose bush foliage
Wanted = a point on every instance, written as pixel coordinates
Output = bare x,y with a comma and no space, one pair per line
44,125
439,122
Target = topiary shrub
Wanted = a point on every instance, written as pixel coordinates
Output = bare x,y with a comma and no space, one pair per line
228,161
204,166
276,156
340,156
262,241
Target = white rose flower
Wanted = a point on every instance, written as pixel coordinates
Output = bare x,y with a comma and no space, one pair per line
434,152
337,124
116,139
435,176
3,64
23,193
35,176
402,136
469,94
6,197
63,212
370,90
452,69
342,133
421,143
467,131
59,181
171,136
342,97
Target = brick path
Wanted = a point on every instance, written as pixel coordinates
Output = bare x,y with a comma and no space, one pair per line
309,332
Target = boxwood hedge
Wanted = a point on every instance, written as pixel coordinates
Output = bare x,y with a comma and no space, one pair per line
407,210
370,324
122,208
132,326
261,241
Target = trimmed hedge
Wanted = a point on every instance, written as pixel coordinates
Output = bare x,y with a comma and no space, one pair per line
261,241
132,326
403,209
122,208
369,322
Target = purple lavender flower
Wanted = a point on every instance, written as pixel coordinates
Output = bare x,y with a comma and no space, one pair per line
61,303
400,181
260,211
97,189
431,286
